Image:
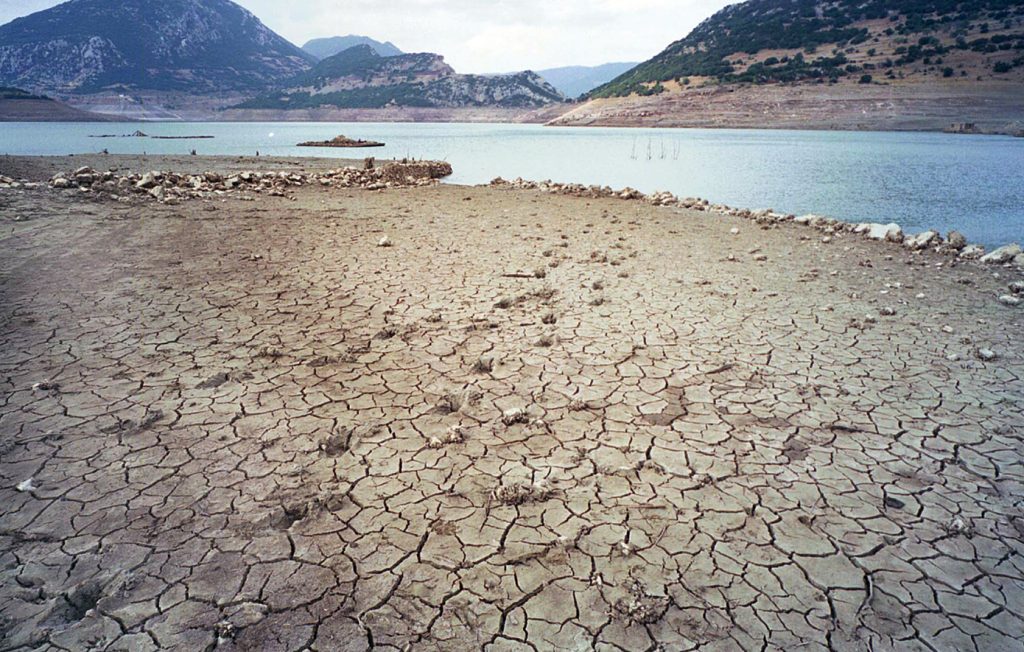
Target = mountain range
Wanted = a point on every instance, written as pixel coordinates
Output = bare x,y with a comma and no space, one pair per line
321,48
176,57
359,78
192,46
865,64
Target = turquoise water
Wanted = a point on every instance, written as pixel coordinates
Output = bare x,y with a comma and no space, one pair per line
920,180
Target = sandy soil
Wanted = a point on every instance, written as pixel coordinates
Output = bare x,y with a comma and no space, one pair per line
922,106
534,422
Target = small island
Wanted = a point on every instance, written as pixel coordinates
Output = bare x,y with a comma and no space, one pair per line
342,141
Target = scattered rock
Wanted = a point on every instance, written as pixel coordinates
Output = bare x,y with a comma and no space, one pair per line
521,493
455,435
1017,287
887,311
147,181
1002,254
894,503
921,240
986,355
513,416
972,252
384,242
1009,300
958,527
336,443
956,240
888,232
26,486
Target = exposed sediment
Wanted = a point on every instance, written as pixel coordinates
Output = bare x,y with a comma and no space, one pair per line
450,418
954,244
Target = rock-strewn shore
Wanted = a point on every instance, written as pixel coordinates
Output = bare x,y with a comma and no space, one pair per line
954,243
170,187
451,418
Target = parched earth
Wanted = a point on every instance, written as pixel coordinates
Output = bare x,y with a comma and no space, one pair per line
532,423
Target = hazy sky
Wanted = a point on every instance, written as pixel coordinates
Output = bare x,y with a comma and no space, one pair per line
481,35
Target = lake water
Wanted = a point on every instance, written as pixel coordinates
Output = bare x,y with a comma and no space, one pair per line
919,180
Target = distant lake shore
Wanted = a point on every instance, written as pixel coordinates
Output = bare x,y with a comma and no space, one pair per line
917,180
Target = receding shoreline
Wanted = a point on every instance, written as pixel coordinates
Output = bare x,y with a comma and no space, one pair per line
992,107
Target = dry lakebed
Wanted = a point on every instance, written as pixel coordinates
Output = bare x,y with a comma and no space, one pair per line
325,410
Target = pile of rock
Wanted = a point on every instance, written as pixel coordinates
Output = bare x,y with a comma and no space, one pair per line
171,187
954,244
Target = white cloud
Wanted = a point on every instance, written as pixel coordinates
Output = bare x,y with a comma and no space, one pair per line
482,35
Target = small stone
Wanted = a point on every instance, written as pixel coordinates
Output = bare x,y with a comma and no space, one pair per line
972,252
956,240
953,357
26,486
384,242
959,527
514,415
1009,300
887,311
986,355
734,231
455,435
889,232
921,240
1017,287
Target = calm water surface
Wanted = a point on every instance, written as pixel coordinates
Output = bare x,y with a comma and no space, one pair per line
971,183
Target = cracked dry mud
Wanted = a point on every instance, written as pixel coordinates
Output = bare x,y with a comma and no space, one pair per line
248,427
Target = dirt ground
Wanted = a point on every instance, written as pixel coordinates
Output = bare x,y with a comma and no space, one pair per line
532,423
